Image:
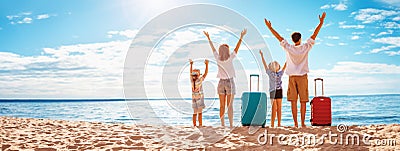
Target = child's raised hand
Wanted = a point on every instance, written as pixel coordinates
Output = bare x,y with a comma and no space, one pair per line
206,61
190,61
261,53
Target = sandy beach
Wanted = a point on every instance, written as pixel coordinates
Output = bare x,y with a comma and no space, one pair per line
45,134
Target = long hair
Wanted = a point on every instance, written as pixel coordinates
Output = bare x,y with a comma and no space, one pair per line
223,52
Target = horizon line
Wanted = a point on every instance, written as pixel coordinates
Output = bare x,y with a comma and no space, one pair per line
177,98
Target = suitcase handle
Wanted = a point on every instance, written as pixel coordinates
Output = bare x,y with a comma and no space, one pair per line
315,86
258,81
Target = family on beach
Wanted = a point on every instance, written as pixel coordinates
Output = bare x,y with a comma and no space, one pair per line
296,67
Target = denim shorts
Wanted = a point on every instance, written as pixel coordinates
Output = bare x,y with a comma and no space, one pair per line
226,86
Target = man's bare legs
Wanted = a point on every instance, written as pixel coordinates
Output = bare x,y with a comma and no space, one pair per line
294,112
222,102
303,106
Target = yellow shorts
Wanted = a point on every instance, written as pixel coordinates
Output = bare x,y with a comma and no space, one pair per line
298,86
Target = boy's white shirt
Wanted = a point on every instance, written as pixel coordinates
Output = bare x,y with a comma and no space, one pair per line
297,57
225,68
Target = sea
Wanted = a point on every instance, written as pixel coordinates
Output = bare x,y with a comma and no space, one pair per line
349,110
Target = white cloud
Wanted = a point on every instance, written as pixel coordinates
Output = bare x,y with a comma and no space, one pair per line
388,40
81,70
26,13
349,78
352,26
358,53
393,53
92,70
389,32
396,18
350,67
26,20
332,37
355,37
10,17
327,24
340,7
392,42
383,48
357,33
370,15
42,16
391,25
392,2
329,44
125,33
342,44
327,6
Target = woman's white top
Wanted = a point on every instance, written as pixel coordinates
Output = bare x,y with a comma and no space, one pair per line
225,68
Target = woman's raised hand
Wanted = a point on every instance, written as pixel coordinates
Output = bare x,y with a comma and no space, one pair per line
207,35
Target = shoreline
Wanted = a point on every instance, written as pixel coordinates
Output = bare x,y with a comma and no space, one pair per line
46,134
148,99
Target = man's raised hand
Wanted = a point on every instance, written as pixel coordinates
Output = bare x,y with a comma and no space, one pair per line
268,23
322,18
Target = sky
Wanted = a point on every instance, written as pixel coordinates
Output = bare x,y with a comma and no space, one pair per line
77,49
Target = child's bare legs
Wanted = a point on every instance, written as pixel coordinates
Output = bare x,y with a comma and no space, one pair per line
229,99
279,110
222,102
194,118
303,106
200,116
273,112
294,112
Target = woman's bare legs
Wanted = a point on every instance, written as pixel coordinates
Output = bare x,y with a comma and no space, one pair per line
222,102
229,99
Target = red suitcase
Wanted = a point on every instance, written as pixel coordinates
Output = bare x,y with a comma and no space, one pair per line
321,113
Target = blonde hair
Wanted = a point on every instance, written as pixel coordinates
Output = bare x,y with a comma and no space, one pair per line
223,52
273,66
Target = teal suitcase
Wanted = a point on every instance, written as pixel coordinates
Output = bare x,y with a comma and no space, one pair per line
254,106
